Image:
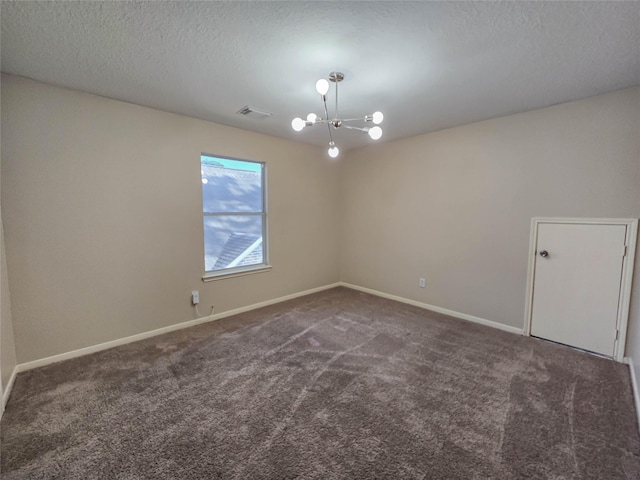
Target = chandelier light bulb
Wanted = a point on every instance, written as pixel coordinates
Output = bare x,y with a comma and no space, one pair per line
333,150
377,117
312,117
297,124
375,132
322,86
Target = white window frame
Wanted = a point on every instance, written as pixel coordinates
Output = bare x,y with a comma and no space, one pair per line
248,269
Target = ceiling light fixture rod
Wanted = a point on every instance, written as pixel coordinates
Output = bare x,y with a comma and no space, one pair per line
366,118
326,114
336,77
322,87
361,129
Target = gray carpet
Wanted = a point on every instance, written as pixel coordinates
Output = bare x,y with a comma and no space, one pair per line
335,385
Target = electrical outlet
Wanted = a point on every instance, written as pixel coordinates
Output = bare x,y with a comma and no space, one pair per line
195,297
421,283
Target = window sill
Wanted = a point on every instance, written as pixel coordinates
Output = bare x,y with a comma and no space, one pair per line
212,276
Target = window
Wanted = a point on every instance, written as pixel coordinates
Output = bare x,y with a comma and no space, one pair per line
234,215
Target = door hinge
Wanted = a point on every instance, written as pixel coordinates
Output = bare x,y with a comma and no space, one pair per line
624,251
617,334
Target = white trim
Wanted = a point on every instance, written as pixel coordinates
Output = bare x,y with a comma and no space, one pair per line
531,263
191,323
7,391
626,275
160,331
624,308
445,311
237,272
634,386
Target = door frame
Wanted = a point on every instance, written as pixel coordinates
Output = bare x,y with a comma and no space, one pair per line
626,277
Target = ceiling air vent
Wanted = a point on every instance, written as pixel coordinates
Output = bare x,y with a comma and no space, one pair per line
251,112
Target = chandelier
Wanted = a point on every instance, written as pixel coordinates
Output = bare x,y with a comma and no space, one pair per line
322,87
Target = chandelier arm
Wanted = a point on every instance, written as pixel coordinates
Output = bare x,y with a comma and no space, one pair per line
326,112
359,119
351,127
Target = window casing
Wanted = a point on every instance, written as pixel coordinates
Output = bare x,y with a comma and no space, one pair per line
234,216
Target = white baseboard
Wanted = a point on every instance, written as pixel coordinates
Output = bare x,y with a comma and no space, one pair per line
634,386
191,323
160,331
433,308
7,390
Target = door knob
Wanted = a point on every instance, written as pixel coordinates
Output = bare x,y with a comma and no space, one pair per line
544,253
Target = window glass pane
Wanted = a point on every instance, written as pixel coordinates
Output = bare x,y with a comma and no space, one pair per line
232,241
231,185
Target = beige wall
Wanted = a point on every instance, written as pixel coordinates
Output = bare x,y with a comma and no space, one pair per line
455,206
101,202
101,199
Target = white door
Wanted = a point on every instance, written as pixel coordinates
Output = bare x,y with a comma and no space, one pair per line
577,284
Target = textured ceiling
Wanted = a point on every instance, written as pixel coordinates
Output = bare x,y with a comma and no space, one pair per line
426,65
